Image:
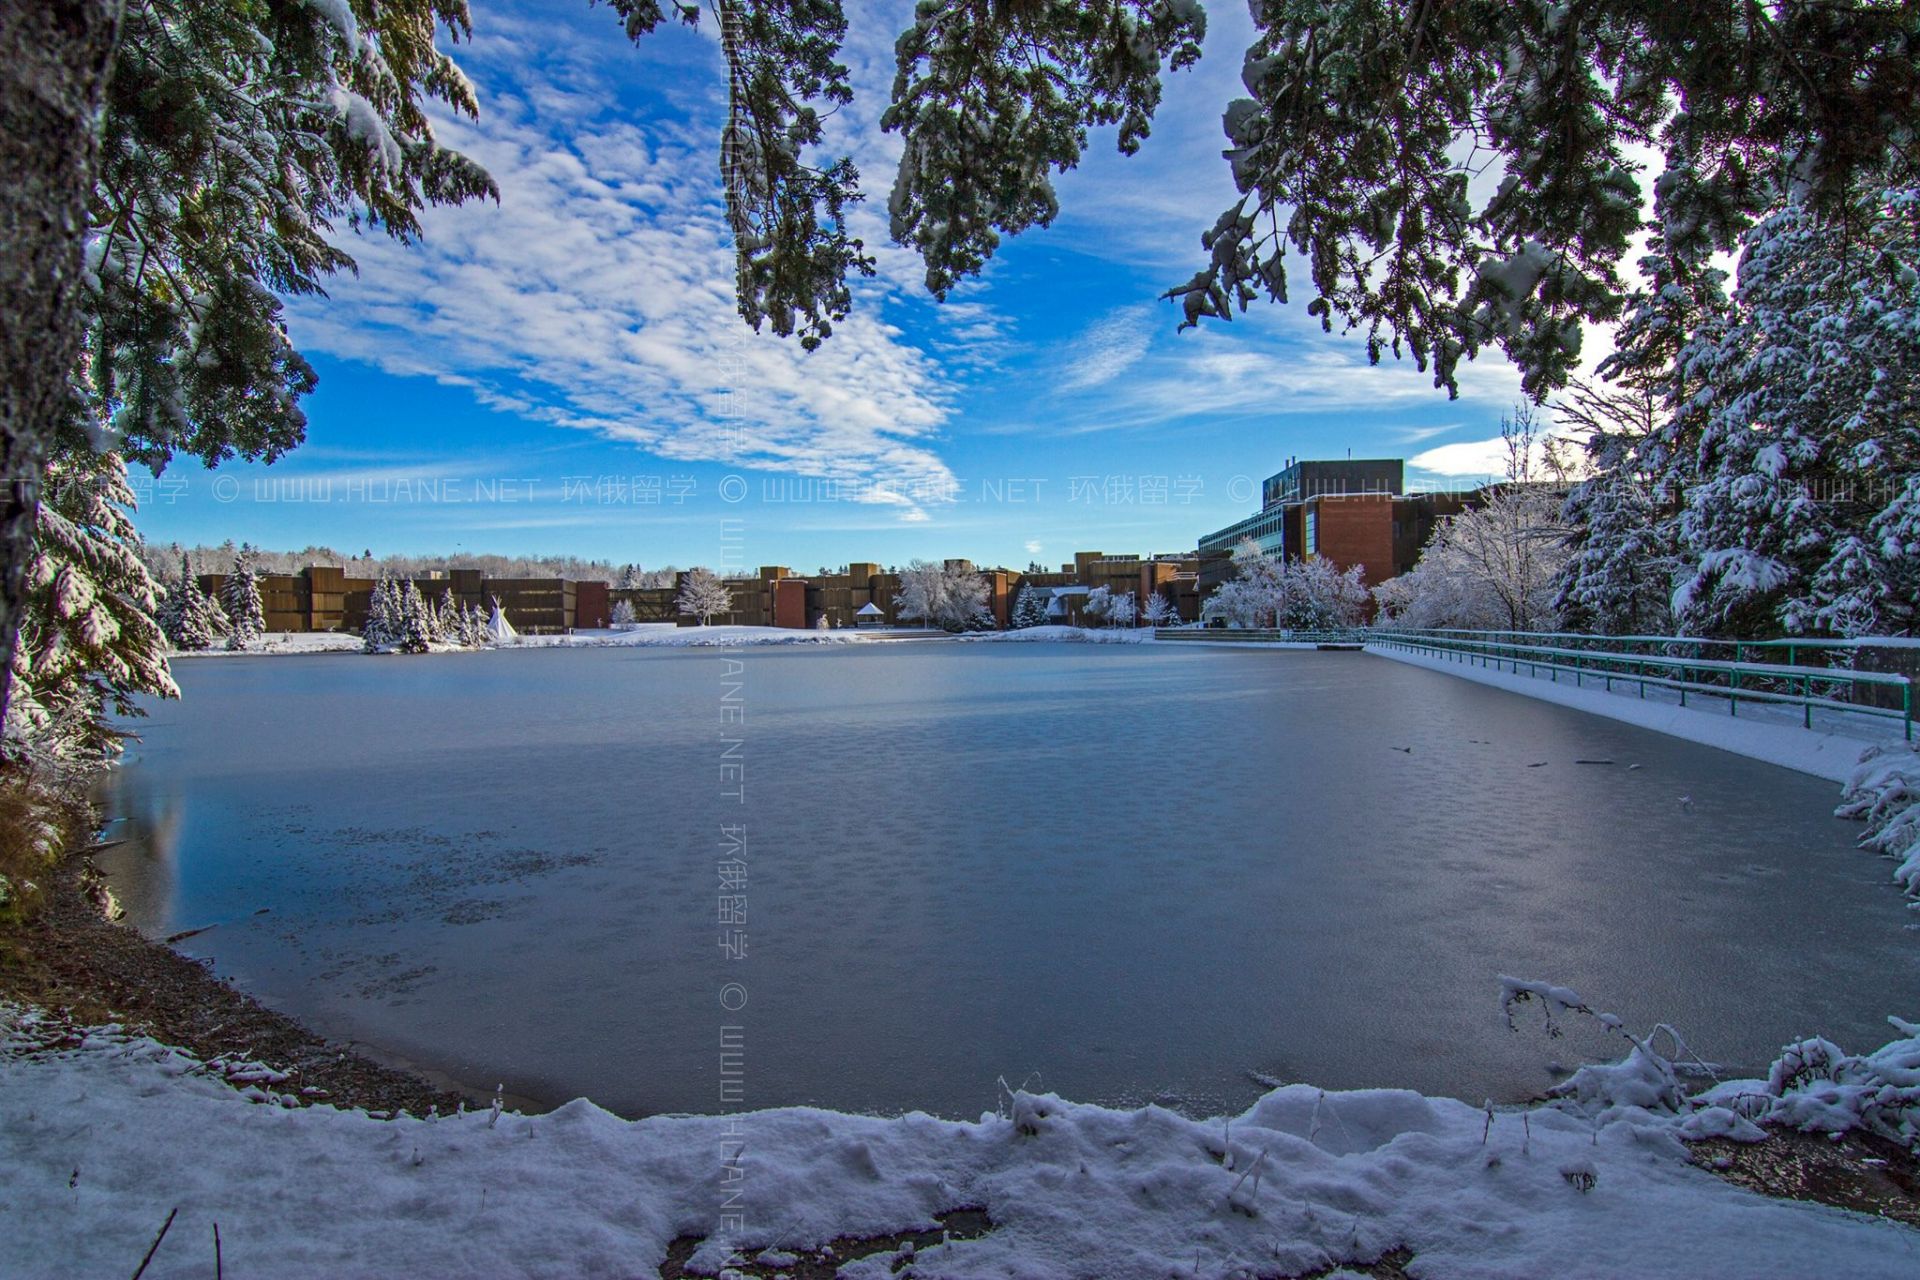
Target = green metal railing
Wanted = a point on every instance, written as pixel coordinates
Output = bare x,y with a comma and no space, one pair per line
1686,665
1877,694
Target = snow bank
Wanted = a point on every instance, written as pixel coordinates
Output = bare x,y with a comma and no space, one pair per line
1884,791
666,635
645,635
279,642
1083,635
98,1144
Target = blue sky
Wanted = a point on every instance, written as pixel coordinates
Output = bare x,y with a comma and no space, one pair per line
564,373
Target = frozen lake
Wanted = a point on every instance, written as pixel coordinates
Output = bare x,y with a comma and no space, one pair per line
1126,873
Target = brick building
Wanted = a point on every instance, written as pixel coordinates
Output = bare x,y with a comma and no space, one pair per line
1352,513
325,598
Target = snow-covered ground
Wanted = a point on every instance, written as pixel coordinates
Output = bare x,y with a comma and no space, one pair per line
1081,635
100,1143
646,635
1775,734
279,642
667,635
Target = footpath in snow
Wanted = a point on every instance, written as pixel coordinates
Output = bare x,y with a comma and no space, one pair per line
102,1140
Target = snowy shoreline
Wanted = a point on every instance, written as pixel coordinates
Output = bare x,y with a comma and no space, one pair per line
104,1139
666,636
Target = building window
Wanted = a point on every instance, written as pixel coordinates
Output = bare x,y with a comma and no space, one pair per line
1312,536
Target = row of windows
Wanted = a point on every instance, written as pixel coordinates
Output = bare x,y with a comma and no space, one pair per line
1267,528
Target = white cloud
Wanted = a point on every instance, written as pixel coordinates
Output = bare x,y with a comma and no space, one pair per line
1108,349
1034,548
1484,459
598,296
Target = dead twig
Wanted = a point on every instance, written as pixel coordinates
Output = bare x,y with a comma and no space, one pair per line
156,1244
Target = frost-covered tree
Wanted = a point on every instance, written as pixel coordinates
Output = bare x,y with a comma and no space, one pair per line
949,596
240,601
1317,595
1493,567
1029,609
1109,608
89,643
1309,594
1251,597
1097,606
1161,611
702,596
630,578
623,615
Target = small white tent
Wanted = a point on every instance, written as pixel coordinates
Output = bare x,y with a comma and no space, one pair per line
869,615
499,630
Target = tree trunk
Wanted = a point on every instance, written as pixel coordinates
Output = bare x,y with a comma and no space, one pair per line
54,57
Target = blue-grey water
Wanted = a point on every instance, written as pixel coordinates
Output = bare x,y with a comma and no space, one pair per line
1124,873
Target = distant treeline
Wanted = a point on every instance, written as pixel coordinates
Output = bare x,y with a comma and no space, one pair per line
164,560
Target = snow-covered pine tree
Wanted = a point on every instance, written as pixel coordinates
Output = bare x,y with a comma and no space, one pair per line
1804,421
381,631
473,627
446,619
1161,611
172,605
1618,578
630,577
89,643
198,622
240,601
1029,610
623,615
416,620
